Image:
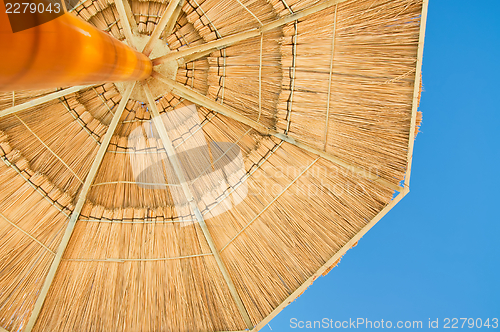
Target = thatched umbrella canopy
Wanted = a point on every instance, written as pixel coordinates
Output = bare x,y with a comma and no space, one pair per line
271,137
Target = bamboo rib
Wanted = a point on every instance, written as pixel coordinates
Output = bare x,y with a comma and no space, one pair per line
260,77
41,100
160,27
23,260
167,143
125,21
199,99
131,19
287,6
330,80
289,105
78,208
416,91
175,16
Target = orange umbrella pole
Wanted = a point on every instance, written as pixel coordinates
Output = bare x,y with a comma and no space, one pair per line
63,51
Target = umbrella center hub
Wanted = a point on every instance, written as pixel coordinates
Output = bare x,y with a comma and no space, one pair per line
167,69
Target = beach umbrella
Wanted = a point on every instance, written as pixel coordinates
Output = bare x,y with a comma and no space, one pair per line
208,193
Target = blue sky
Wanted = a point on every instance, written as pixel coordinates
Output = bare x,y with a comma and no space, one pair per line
437,253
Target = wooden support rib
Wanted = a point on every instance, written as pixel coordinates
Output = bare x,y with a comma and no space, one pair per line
78,208
125,20
160,27
289,104
41,100
176,165
325,139
131,18
229,40
175,16
197,98
286,6
416,91
260,77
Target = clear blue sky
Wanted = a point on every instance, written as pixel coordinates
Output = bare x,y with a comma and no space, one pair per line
437,253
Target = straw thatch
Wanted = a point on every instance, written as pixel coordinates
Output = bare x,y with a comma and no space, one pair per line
330,102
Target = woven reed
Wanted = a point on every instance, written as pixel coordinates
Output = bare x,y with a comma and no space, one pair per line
340,80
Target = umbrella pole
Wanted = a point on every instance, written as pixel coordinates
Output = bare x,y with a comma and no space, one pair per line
63,51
